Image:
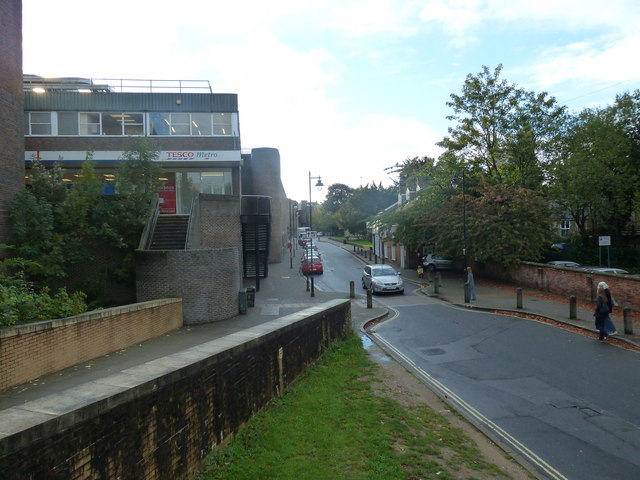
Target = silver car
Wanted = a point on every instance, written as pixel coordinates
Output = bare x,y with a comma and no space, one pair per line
382,278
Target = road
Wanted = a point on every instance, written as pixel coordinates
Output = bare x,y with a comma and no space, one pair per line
559,400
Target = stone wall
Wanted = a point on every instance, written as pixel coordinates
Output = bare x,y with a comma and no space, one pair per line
207,280
11,111
159,420
30,351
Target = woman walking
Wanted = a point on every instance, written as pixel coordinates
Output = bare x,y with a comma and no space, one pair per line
471,285
603,321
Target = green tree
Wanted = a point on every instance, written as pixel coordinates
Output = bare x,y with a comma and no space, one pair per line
337,195
504,132
596,177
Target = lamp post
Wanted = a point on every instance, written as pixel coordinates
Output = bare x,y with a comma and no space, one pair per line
319,185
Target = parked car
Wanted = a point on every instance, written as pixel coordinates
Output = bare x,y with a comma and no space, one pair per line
382,278
606,270
561,246
433,262
311,264
564,263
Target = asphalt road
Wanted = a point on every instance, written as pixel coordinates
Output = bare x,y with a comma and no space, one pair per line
564,403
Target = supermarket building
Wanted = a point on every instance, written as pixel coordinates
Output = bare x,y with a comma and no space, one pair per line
228,206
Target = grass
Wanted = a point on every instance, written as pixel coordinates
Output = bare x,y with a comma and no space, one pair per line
331,424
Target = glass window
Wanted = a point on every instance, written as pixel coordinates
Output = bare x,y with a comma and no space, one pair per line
159,124
200,124
40,123
222,124
112,124
565,228
133,123
180,124
67,123
89,124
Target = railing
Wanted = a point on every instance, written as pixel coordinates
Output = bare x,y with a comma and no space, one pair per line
147,233
193,214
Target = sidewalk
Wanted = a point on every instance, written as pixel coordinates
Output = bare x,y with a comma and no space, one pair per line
282,293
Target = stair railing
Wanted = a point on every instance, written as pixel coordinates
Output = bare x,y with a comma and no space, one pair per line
193,214
147,232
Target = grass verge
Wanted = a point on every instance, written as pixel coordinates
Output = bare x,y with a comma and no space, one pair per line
331,424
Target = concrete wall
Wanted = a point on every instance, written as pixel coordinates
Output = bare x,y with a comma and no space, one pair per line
261,176
208,281
11,110
159,420
30,351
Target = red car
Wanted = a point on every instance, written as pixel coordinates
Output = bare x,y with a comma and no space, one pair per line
311,264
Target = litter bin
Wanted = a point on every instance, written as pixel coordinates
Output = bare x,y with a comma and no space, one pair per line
251,296
242,301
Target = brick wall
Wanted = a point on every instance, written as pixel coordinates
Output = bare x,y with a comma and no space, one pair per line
207,280
11,110
567,281
163,425
30,351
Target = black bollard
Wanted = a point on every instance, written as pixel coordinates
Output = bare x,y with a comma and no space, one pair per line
369,298
628,321
572,307
519,297
352,289
313,292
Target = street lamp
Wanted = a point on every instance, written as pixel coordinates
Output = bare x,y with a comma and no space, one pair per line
319,186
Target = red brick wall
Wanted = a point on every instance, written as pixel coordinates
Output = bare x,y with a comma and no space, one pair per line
567,281
32,350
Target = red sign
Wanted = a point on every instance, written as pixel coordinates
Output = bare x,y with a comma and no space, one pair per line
167,194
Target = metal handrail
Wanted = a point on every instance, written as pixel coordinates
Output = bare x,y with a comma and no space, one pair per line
147,232
191,224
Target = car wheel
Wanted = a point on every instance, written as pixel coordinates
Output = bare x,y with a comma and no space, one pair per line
363,285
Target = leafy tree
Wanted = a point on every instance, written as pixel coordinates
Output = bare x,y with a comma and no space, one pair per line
502,131
337,195
596,178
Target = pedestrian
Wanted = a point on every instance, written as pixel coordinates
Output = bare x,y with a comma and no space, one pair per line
602,312
471,284
611,302
420,271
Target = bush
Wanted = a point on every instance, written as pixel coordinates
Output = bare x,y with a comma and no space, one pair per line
21,303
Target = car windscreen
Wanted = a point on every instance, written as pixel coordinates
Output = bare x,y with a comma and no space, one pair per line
382,271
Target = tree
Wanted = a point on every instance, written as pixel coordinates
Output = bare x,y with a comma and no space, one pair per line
502,131
596,177
337,195
504,224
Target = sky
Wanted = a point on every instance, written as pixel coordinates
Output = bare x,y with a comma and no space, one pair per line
344,89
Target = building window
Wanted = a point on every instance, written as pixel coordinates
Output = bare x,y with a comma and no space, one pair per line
180,124
40,123
565,227
122,124
201,124
222,124
89,124
67,123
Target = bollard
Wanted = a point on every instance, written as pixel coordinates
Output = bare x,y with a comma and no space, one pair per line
436,284
242,301
572,307
352,289
308,275
313,292
251,296
628,321
467,294
369,298
519,297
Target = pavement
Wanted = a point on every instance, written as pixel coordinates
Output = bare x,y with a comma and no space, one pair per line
284,292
